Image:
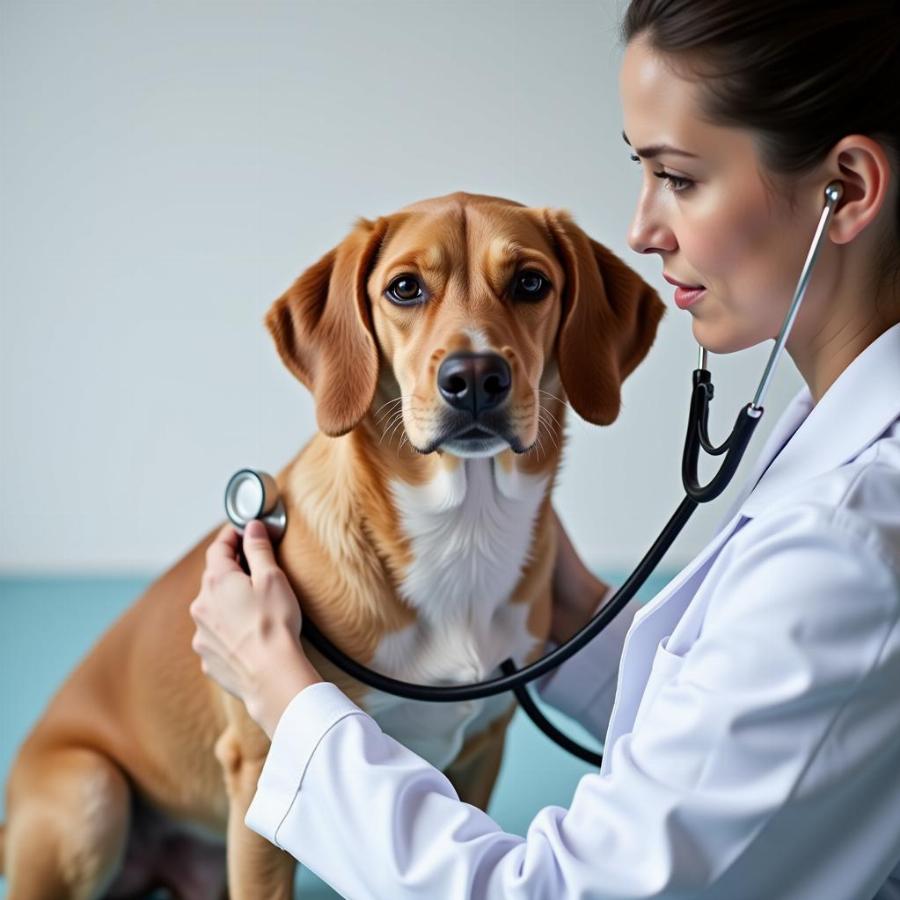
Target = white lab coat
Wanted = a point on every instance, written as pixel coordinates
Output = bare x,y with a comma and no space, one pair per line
753,747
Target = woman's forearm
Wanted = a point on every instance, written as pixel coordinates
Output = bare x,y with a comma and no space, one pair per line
577,592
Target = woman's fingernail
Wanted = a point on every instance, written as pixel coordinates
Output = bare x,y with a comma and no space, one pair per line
255,528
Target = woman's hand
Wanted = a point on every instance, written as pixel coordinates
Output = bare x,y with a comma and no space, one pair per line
248,628
577,592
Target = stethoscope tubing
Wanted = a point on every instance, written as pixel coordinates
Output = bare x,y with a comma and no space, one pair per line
515,677
697,437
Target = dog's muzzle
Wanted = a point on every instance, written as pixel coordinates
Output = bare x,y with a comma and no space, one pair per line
474,382
475,386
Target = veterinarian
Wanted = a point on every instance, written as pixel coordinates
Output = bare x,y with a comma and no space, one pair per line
751,710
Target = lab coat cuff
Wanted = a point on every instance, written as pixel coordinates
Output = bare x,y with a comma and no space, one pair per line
305,721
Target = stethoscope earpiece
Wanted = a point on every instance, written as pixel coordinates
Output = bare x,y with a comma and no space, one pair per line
833,193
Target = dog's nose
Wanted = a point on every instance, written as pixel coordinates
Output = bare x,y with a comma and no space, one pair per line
474,381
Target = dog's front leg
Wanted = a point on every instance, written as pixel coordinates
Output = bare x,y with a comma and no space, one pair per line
257,869
474,771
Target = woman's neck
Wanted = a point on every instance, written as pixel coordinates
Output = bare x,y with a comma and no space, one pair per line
855,316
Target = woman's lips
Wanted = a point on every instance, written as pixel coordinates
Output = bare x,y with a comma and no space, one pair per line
685,294
685,297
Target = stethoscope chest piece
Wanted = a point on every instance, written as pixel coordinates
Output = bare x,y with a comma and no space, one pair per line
253,494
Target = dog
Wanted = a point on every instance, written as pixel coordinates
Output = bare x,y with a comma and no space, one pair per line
442,344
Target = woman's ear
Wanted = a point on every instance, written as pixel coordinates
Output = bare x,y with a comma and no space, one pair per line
863,168
608,322
323,331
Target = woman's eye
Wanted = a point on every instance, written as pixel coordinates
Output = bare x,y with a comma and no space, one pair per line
675,183
405,290
531,285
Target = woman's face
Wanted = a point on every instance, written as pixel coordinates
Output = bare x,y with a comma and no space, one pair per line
712,221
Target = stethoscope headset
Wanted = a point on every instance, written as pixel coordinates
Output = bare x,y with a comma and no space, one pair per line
253,494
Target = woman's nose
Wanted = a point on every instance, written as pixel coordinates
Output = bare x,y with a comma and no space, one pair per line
648,233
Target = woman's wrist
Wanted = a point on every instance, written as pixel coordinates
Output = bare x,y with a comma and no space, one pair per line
570,620
287,672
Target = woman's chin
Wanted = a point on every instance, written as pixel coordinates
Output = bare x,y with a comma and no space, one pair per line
719,340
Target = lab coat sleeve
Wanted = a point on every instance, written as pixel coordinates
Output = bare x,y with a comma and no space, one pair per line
797,635
584,686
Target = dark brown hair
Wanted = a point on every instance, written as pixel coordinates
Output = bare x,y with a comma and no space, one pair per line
801,74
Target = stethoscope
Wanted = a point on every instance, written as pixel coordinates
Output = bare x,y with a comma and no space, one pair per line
253,494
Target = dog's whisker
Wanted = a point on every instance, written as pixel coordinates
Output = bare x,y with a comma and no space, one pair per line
388,412
560,427
554,417
390,417
543,409
554,396
556,440
558,422
545,425
397,424
547,417
542,421
388,403
391,424
390,400
565,403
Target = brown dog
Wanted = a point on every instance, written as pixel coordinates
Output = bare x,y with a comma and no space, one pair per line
438,343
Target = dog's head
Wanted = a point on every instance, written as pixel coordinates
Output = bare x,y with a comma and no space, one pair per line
465,308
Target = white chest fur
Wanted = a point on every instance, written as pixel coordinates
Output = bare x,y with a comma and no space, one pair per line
470,530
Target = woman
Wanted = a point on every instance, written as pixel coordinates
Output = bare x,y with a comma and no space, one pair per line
753,749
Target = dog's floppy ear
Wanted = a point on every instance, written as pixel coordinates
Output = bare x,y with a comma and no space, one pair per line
608,323
322,329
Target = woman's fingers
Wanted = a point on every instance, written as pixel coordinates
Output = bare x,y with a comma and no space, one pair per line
258,549
221,553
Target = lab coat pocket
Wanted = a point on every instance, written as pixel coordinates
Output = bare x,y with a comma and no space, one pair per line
665,667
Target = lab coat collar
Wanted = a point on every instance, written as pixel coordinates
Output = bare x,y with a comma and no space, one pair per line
861,404
789,421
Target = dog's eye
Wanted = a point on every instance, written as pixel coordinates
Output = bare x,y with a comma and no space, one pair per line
531,285
405,290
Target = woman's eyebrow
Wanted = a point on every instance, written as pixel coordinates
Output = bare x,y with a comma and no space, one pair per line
656,149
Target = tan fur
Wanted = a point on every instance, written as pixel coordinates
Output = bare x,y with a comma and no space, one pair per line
137,726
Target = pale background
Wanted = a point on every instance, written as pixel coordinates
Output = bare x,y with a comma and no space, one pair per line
168,168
